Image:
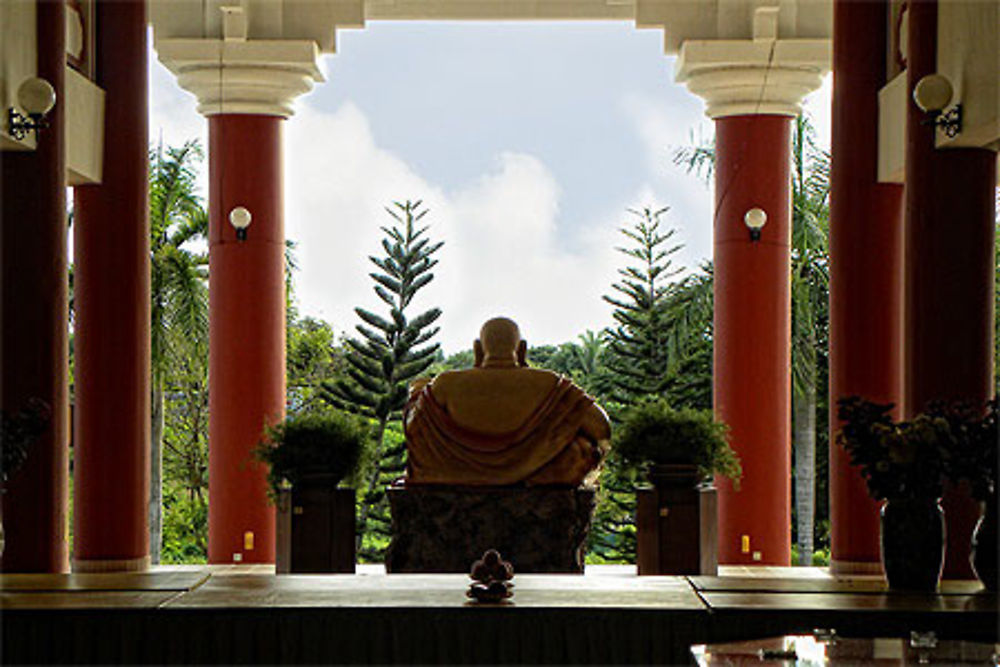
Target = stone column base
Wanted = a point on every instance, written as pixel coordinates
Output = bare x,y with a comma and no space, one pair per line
445,529
121,565
840,568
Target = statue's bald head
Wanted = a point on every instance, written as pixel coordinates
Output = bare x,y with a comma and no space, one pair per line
500,339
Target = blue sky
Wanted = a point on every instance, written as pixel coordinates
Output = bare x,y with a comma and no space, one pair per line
526,140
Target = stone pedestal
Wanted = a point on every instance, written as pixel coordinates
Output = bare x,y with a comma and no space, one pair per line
676,530
445,529
315,530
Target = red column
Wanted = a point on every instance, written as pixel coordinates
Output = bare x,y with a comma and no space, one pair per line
247,331
33,320
949,272
866,271
752,381
111,249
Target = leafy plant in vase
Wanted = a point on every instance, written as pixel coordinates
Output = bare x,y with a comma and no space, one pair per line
17,433
678,450
903,464
670,443
973,459
308,456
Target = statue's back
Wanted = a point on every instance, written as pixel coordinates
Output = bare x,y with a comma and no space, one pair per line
493,401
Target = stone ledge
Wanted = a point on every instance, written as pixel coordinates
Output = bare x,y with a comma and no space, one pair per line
445,529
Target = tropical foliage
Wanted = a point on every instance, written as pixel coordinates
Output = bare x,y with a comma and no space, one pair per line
660,345
179,313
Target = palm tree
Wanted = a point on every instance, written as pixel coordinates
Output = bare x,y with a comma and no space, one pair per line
810,224
588,352
810,291
178,289
689,326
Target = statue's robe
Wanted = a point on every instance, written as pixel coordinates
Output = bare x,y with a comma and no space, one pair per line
548,448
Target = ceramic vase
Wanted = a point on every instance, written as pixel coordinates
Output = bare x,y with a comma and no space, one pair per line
984,544
913,541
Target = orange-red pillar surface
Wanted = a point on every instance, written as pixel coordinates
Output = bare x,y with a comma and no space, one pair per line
247,331
950,221
866,270
111,284
33,320
752,381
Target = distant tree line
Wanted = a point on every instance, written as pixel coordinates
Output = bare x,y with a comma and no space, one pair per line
660,343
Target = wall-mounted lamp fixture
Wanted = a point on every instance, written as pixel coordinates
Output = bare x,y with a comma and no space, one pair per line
931,95
755,219
37,97
240,219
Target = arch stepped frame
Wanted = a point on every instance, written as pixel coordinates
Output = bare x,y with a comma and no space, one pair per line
753,65
752,62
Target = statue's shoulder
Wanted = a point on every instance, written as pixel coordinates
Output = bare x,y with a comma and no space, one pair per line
444,381
551,376
446,377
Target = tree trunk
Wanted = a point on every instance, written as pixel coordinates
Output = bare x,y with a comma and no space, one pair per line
804,442
366,507
155,475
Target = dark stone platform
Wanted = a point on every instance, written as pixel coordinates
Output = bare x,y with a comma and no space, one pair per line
244,614
444,529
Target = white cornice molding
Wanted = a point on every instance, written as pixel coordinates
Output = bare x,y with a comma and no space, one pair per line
499,10
749,77
698,20
243,77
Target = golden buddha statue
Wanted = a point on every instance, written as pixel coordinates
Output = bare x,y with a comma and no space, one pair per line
501,423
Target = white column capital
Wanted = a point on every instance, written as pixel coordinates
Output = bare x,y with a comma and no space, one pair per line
236,76
757,76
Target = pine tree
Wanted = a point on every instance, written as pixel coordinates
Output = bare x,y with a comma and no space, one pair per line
390,352
640,358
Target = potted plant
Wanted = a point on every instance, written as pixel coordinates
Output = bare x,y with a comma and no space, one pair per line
668,443
679,450
17,433
308,455
903,464
973,460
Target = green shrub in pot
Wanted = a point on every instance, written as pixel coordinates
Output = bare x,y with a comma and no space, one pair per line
327,444
651,433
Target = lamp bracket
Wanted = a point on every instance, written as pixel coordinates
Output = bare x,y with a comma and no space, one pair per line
18,125
949,121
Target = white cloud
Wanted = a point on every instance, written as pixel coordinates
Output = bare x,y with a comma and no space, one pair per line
687,195
507,249
502,254
173,112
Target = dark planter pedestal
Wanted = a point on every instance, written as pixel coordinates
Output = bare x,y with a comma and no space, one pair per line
676,526
315,530
445,529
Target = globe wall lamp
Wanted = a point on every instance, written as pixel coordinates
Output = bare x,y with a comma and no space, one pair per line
240,219
755,219
37,97
931,95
